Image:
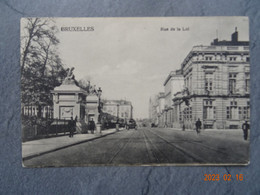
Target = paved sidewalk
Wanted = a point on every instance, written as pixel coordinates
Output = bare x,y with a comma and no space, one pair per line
34,148
230,134
207,130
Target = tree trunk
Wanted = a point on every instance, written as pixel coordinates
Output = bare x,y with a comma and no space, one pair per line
25,53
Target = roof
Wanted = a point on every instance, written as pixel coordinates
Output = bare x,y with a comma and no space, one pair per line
234,41
68,88
175,73
232,46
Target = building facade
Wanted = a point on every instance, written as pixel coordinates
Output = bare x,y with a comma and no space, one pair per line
161,115
119,108
153,106
217,85
156,108
69,100
173,83
152,109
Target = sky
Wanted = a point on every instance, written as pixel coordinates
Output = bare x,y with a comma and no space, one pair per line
130,58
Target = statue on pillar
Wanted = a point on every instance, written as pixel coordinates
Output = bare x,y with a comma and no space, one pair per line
92,89
70,78
70,74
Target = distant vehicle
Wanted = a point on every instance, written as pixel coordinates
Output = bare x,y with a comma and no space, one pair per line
131,124
153,125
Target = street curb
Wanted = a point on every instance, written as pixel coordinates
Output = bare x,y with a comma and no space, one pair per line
66,146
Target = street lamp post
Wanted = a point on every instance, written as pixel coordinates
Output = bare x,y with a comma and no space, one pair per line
117,121
125,119
99,92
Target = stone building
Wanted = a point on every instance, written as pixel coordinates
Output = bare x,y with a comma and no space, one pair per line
173,83
153,107
156,107
69,100
121,108
161,115
217,85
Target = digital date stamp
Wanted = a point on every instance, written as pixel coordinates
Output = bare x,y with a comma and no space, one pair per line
225,177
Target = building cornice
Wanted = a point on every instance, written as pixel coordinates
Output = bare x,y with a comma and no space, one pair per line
214,50
211,96
176,73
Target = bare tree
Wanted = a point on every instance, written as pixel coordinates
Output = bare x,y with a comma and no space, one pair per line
41,67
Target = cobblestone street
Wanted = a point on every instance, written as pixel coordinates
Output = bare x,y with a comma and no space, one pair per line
152,146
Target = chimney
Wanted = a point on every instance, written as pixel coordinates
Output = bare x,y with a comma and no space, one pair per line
216,41
234,37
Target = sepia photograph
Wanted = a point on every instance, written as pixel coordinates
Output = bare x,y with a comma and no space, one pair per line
151,91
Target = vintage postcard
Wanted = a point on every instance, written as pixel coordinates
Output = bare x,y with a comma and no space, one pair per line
160,91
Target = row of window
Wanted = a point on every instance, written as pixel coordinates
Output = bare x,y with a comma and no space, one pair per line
232,82
122,114
209,111
238,112
187,113
188,81
114,108
231,58
209,80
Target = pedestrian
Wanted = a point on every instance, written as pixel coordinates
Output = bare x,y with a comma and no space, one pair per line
92,125
198,126
75,125
245,128
71,126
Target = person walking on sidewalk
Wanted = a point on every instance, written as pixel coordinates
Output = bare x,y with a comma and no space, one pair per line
92,126
245,128
71,127
198,126
183,126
